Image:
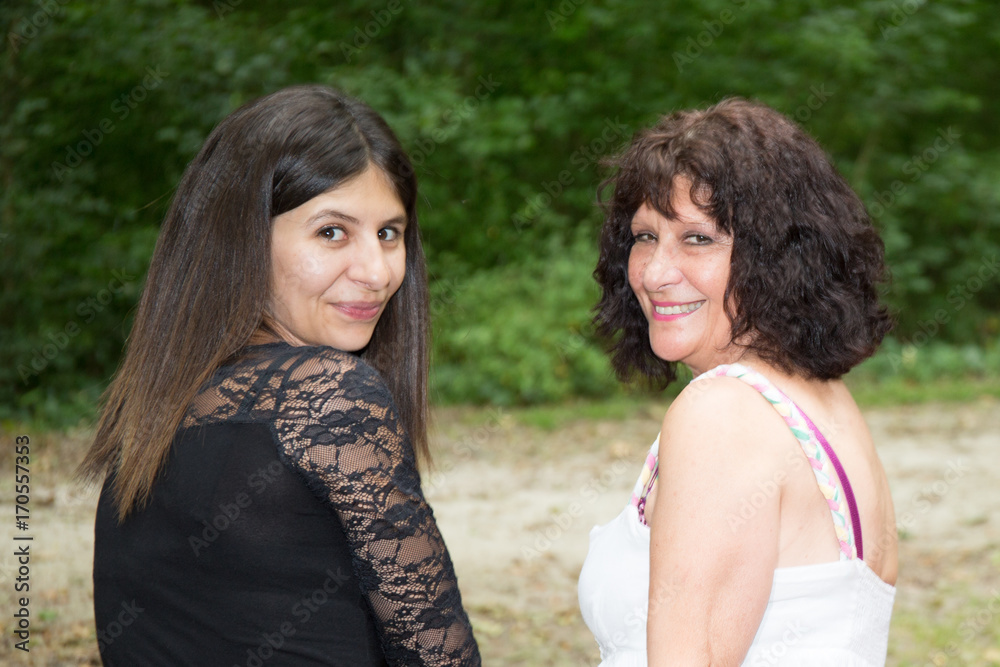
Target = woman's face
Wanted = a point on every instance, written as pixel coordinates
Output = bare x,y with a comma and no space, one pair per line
679,268
336,261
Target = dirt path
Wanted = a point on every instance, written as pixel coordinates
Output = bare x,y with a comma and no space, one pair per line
516,504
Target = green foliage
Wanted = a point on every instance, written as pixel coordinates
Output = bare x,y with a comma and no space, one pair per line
908,373
520,333
928,363
507,109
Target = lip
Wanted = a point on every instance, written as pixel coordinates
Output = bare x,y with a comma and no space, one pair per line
359,310
669,304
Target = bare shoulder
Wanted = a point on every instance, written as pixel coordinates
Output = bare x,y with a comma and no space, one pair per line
722,428
718,408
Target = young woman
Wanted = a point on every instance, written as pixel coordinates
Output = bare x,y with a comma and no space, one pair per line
261,500
761,530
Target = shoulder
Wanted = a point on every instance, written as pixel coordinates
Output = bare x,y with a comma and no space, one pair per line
717,403
320,381
321,365
722,419
336,397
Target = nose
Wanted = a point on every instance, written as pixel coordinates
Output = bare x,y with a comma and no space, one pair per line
369,265
662,270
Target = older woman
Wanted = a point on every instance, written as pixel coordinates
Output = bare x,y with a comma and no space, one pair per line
761,530
261,501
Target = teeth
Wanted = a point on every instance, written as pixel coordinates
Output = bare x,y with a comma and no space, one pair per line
677,310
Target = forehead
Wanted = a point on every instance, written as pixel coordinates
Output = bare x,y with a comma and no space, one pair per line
675,203
370,193
684,213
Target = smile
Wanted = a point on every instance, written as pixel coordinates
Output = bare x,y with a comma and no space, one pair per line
360,310
681,309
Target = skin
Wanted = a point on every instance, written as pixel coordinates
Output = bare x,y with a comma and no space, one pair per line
336,261
685,262
711,576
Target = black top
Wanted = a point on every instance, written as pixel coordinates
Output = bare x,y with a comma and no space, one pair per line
287,527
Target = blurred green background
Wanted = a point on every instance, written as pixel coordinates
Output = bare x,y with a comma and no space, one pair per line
506,109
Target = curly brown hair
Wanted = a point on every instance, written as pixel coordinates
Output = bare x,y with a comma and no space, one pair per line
807,263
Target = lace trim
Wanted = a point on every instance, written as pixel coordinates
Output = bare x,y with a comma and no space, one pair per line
336,424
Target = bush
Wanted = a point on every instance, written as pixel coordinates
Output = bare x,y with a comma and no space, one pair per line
520,334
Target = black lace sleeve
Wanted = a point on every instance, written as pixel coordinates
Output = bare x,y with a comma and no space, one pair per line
337,424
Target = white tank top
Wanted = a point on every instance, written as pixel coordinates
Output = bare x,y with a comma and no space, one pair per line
832,614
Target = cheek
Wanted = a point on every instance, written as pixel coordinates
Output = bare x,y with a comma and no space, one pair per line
292,270
281,274
397,267
720,277
298,272
636,267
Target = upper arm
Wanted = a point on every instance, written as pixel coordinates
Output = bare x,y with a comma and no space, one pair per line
349,443
714,535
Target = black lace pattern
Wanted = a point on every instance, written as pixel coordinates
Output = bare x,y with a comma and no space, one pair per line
335,423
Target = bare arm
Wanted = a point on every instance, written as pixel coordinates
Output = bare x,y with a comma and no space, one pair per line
715,529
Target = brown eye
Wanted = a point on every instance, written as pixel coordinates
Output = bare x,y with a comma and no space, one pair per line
388,234
333,233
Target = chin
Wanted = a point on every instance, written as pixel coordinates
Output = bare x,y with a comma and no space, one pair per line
669,353
351,343
345,345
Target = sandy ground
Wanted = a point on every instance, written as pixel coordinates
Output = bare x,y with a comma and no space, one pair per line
516,504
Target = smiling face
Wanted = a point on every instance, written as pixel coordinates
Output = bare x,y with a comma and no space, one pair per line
679,268
336,260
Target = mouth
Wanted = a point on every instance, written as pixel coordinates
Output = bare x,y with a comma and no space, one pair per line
673,311
359,310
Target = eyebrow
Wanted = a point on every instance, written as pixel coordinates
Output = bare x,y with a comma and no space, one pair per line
684,221
350,219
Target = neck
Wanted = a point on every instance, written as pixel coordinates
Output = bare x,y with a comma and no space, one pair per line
263,336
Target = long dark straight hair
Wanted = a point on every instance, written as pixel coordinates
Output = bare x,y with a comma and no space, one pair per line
208,284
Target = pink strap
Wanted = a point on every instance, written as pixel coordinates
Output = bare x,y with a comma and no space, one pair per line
844,482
